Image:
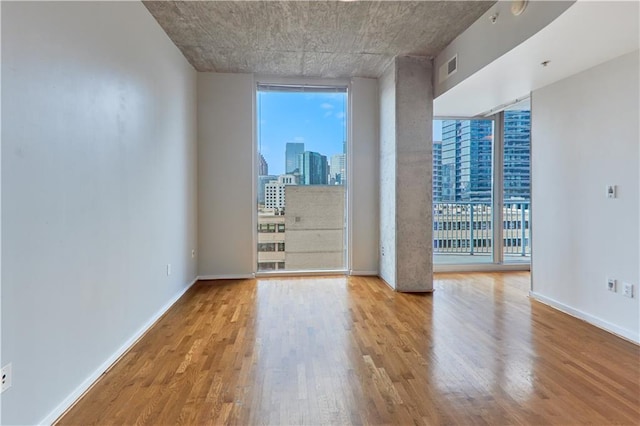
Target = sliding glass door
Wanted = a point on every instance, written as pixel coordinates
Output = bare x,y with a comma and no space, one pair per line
462,191
517,183
481,189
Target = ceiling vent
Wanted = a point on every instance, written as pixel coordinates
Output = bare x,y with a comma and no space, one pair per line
448,69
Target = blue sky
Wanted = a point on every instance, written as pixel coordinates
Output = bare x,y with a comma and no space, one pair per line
317,119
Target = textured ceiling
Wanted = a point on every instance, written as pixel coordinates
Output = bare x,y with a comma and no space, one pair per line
311,38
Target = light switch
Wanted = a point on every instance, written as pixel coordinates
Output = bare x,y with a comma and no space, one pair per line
611,191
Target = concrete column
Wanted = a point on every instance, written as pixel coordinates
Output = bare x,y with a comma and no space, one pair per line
406,119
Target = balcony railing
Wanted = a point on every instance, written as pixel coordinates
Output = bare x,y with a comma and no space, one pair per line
466,228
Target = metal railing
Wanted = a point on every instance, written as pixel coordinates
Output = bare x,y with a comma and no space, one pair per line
516,228
466,228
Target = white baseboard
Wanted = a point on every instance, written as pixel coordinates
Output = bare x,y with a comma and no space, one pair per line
481,267
386,283
300,274
226,277
593,320
89,381
364,273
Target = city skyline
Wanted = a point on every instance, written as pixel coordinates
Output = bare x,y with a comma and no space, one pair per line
295,155
316,119
462,158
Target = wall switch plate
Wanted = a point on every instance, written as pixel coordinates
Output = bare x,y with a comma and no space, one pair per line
6,377
627,289
168,269
611,191
611,284
193,253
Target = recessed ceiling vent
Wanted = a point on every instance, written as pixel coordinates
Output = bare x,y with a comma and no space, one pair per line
448,69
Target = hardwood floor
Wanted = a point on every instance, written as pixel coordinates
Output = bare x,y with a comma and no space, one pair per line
351,351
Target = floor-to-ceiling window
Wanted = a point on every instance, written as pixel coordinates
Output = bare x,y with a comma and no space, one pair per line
481,188
462,191
302,177
516,180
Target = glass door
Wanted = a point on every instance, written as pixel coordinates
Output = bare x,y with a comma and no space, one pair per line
462,191
516,136
482,188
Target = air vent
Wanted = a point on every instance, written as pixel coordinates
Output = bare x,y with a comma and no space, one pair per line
452,65
448,69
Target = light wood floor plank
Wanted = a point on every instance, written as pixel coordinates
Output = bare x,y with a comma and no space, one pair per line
338,350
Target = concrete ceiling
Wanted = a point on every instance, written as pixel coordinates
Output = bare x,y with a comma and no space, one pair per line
311,38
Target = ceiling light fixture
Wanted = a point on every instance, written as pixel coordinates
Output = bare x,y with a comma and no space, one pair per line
518,6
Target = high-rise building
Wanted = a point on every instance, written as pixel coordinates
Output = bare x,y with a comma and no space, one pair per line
437,171
466,160
262,181
448,182
271,242
271,237
263,167
313,168
517,155
292,151
315,227
274,193
337,169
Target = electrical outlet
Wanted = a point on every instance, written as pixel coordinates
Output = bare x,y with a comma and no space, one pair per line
627,289
611,284
6,377
193,253
168,269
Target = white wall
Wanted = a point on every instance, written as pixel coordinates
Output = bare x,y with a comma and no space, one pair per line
585,136
364,176
571,42
1,363
225,175
98,191
387,222
483,42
